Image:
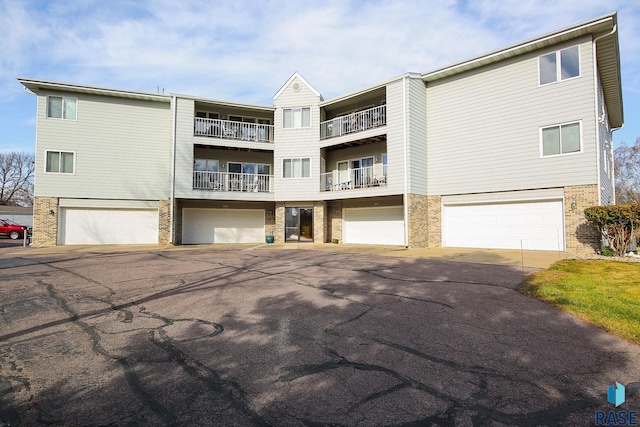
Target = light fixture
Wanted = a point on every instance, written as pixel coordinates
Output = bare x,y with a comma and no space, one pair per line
574,205
51,212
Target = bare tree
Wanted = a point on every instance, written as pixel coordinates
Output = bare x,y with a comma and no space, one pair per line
16,179
627,170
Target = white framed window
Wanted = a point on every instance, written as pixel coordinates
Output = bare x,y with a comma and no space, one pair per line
561,139
59,107
59,161
560,65
296,118
296,168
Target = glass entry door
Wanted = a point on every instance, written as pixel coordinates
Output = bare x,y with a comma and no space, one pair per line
298,225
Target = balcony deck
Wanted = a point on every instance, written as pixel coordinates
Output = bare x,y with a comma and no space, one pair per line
227,129
354,122
231,181
349,179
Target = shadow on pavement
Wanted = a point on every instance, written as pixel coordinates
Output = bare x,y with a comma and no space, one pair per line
285,337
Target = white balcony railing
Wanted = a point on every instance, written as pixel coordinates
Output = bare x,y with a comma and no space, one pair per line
231,181
354,122
365,177
216,128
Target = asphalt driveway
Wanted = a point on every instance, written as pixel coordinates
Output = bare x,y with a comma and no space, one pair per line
292,337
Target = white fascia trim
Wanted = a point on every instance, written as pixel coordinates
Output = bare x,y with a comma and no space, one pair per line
34,84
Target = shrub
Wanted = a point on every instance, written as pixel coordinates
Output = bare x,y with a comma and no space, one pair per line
618,223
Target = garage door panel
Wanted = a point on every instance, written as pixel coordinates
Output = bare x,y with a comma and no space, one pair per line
537,225
380,226
222,226
108,226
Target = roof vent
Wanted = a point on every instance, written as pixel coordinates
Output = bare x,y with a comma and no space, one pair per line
296,87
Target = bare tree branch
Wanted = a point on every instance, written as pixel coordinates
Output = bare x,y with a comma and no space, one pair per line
16,179
627,170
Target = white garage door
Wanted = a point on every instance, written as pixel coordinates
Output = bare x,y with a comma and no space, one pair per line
108,226
376,226
222,226
536,225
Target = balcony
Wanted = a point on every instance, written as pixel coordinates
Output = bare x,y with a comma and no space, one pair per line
227,129
349,179
231,181
354,122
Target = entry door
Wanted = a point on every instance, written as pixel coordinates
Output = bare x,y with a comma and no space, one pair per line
299,224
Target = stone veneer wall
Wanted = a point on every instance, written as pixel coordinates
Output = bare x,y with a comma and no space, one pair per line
164,222
434,221
278,233
45,223
319,222
334,221
418,221
581,237
270,219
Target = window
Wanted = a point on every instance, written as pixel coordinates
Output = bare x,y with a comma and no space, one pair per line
59,162
561,139
206,165
61,108
296,117
561,65
296,168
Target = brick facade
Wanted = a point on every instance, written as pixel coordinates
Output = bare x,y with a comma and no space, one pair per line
45,222
418,221
581,237
334,221
164,222
319,222
434,219
270,219
278,233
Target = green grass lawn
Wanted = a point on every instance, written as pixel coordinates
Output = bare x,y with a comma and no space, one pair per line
605,293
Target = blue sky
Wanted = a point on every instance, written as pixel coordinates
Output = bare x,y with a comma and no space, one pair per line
245,50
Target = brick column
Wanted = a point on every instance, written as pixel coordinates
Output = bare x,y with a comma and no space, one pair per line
164,222
434,214
319,222
45,222
581,238
279,223
418,221
334,221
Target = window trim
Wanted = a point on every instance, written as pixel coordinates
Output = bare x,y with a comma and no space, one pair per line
293,122
297,177
558,55
46,155
559,126
48,111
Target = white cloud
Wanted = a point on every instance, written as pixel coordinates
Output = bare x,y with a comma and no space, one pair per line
245,51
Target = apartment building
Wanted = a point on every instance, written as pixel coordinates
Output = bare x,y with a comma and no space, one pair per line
504,150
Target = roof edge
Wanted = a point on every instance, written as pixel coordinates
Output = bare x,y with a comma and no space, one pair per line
516,49
35,84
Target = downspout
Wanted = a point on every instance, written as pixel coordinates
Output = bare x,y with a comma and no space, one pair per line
174,102
597,115
406,173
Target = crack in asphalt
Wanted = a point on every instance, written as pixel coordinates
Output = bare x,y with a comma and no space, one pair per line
233,393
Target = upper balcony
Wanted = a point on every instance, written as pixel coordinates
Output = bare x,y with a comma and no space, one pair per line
354,122
235,130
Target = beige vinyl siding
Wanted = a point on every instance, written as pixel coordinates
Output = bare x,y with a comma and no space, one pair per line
483,127
297,143
122,148
395,138
417,136
184,148
605,150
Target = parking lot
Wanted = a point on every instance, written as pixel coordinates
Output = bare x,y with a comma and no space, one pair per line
272,336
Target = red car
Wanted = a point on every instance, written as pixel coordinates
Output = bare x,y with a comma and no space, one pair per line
13,230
